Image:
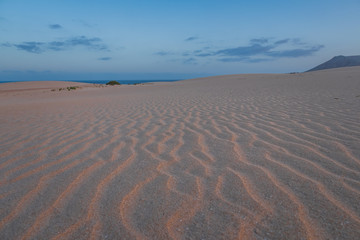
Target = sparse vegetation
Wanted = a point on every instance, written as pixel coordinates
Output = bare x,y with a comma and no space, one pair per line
68,88
72,88
135,84
112,83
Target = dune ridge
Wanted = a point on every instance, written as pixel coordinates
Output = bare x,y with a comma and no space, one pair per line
257,156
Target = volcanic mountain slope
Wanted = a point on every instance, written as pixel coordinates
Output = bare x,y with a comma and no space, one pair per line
337,62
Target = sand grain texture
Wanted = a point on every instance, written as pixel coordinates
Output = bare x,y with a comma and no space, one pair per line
260,156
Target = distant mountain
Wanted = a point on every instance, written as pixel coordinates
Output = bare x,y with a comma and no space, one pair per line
337,62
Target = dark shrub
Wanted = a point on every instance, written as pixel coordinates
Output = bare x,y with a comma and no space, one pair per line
112,83
72,88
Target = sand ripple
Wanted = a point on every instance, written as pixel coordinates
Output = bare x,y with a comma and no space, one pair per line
233,157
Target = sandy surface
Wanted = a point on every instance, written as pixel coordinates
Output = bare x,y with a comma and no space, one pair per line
228,157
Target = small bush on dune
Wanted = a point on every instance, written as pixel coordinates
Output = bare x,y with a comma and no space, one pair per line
112,83
72,88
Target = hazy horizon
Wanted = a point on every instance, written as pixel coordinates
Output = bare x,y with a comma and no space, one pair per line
132,40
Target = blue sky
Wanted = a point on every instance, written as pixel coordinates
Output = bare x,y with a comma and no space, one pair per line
158,39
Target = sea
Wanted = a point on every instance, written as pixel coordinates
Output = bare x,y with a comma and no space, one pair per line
130,82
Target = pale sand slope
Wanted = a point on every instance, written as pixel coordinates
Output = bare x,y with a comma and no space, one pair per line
228,157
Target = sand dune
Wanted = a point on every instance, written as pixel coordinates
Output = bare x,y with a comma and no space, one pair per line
259,156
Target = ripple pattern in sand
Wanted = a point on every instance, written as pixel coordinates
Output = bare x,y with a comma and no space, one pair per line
183,162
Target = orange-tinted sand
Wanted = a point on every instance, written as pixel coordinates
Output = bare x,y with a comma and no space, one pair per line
228,157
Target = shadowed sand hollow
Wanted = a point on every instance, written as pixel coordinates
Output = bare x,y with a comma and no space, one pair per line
273,156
